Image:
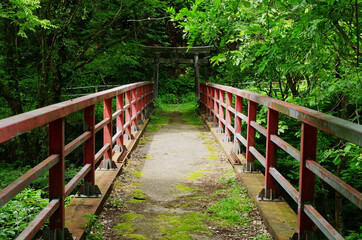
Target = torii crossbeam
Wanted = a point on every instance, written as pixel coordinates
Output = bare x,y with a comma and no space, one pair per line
196,51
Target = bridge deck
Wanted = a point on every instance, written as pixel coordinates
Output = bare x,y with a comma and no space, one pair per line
169,182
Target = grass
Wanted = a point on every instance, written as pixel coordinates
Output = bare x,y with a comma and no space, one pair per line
235,207
160,116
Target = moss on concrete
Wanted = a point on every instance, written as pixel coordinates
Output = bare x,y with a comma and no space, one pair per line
138,174
184,188
196,175
181,226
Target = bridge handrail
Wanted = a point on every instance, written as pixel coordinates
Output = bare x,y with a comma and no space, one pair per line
137,98
212,99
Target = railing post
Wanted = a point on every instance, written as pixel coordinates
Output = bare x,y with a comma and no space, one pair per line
107,163
119,122
89,189
143,102
56,181
250,136
308,151
271,190
134,110
215,123
229,103
221,129
237,124
128,136
139,105
210,102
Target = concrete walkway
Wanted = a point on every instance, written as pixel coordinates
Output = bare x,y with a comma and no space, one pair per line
168,185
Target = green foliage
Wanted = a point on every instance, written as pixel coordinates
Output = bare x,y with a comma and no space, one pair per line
234,208
20,211
92,228
22,13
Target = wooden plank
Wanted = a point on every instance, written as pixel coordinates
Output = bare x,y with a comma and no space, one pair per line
79,207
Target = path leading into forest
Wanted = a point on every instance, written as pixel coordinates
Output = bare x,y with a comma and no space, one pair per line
176,185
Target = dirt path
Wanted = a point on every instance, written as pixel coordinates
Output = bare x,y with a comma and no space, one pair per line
172,187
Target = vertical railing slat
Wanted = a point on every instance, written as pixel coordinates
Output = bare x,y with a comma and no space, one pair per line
237,124
119,121
271,190
89,145
56,176
250,136
308,151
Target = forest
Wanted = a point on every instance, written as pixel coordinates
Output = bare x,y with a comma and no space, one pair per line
305,52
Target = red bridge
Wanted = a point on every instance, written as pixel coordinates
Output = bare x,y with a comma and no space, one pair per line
222,110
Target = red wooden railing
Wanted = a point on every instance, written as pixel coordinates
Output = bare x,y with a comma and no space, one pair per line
138,100
213,102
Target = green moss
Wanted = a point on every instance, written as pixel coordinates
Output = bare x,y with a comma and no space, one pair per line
146,157
158,119
138,196
181,226
143,141
212,156
130,216
184,188
138,174
137,184
137,236
126,228
196,175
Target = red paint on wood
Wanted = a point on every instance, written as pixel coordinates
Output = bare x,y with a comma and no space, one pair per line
107,130
271,152
56,173
128,113
250,131
134,107
229,101
308,151
221,109
119,121
89,145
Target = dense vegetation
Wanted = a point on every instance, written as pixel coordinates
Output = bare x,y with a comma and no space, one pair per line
302,51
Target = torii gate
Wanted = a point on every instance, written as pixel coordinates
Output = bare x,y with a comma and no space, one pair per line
196,51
